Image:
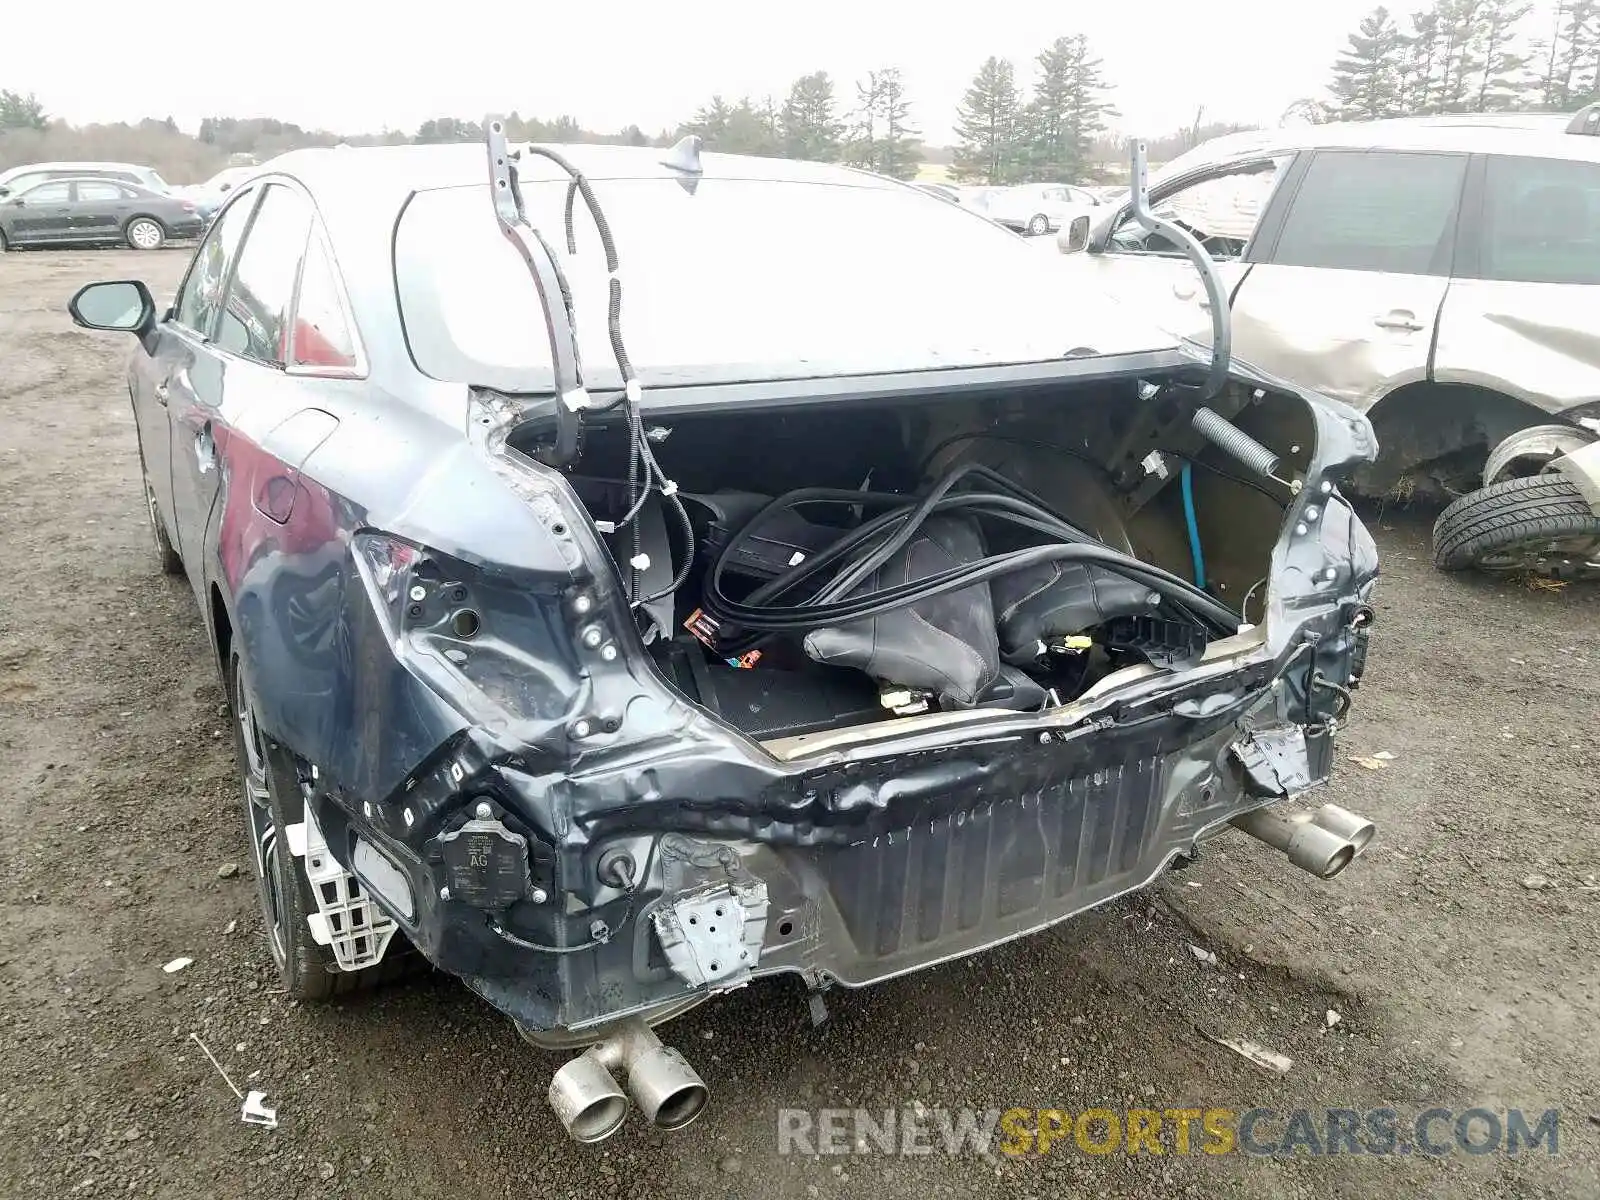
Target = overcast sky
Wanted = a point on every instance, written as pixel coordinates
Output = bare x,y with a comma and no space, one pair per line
357,66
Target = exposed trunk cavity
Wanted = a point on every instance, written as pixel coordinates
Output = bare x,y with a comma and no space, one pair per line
1122,464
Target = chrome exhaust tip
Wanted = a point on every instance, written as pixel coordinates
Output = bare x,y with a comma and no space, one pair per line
587,1101
1322,842
1341,822
667,1089
590,1105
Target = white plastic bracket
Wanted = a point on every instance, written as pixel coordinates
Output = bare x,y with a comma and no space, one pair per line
346,919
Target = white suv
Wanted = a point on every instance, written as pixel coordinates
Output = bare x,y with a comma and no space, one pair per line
1439,276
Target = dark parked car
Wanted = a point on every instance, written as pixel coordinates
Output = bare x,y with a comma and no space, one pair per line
828,619
76,211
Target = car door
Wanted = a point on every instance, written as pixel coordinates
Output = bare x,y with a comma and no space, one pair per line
242,359
1522,315
1346,297
99,208
177,358
42,213
1223,206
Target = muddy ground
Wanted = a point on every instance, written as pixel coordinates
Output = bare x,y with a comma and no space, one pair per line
1462,952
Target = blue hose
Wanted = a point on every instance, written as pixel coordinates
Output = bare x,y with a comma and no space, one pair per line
1187,483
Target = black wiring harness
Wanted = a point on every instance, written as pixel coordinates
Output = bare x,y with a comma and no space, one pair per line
644,472
818,591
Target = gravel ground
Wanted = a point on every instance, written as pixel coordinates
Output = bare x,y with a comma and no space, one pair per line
1461,952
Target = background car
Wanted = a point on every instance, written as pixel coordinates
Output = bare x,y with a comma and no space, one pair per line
208,196
18,179
1438,275
95,210
1038,208
942,190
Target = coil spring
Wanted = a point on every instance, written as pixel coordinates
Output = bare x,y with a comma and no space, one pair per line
1228,437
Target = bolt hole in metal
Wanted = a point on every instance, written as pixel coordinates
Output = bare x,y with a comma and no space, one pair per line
465,623
785,928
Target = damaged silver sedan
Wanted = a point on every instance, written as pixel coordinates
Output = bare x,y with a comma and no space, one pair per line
620,603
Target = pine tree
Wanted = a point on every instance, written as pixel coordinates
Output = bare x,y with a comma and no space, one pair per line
1418,80
1367,74
711,122
1461,31
747,127
988,127
861,146
1068,114
1572,77
808,124
882,138
1505,80
21,112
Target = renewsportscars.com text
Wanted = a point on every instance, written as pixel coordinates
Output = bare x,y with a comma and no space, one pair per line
1261,1132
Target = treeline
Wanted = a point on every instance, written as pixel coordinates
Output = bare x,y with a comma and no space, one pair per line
1466,56
1054,127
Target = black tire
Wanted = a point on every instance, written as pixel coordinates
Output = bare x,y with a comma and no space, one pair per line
145,233
1516,524
4,246
270,791
167,554
1038,225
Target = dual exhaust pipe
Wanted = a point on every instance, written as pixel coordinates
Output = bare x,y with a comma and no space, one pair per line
590,1105
1323,841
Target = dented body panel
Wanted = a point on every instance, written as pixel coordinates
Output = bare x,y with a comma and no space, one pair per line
577,840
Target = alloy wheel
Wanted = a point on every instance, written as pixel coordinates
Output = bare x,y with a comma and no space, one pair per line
265,840
1562,558
145,235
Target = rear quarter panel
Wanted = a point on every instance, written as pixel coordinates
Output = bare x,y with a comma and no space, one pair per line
1536,342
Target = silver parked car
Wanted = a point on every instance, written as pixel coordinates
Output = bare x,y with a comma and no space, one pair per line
18,179
1438,276
1038,208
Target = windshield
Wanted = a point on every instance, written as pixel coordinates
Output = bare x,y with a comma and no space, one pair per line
743,279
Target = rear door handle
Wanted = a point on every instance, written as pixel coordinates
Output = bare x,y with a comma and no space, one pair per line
1399,319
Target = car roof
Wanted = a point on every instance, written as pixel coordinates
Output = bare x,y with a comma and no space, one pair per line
30,168
127,183
360,194
1537,135
352,184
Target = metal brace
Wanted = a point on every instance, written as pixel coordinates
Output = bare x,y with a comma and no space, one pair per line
714,935
571,395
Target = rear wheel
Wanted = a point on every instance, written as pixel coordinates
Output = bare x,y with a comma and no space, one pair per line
272,803
166,553
145,233
1038,225
1539,524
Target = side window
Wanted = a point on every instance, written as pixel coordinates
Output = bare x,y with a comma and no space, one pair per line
47,193
201,297
1375,211
322,336
100,191
1541,220
1221,210
254,322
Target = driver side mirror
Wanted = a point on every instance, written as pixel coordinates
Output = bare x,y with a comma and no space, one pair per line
121,306
1075,237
